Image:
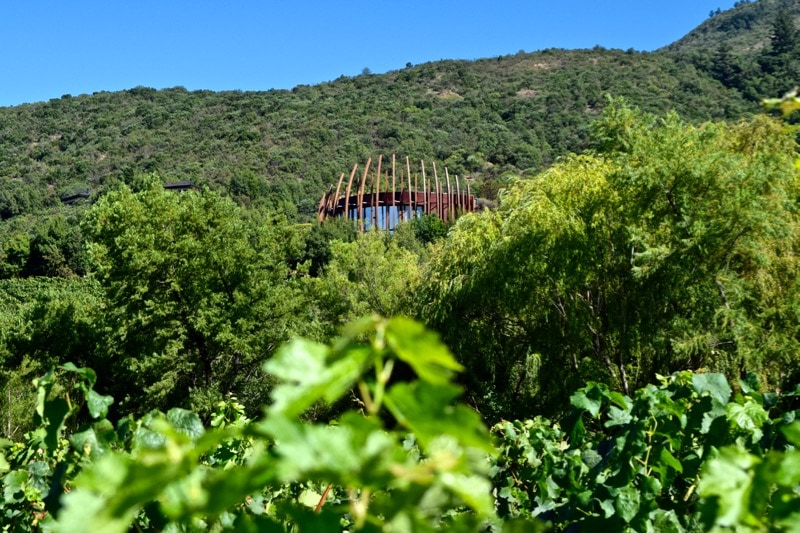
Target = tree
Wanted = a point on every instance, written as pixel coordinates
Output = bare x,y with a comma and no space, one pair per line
779,60
43,322
726,68
783,37
56,246
428,228
372,274
316,251
197,295
672,246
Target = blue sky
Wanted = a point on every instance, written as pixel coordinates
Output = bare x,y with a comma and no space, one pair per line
55,47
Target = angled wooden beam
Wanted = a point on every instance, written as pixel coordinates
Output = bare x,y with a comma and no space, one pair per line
335,204
347,192
323,202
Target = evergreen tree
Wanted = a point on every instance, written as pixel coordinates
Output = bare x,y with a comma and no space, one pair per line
783,38
778,62
726,68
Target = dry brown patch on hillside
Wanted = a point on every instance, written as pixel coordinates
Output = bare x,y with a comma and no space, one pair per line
527,93
446,94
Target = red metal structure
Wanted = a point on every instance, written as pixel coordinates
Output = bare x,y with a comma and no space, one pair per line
377,203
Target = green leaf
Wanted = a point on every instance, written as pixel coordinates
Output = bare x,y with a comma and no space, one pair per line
87,442
475,491
619,399
422,350
714,384
749,417
578,431
147,439
792,433
14,485
186,422
98,404
56,413
43,386
627,502
84,511
580,400
331,452
608,508
788,473
591,458
617,417
668,459
429,412
666,521
519,525
186,492
307,520
89,376
309,498
750,383
309,374
728,479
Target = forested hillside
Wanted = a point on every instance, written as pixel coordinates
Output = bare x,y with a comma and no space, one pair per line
747,28
614,346
752,48
514,113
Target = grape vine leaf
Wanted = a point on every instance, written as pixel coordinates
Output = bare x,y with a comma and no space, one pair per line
422,350
714,384
309,374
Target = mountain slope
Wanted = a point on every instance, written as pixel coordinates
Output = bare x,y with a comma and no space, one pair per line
745,28
479,117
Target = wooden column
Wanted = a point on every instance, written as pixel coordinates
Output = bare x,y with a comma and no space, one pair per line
459,199
347,192
394,185
410,200
438,192
323,202
360,213
338,188
376,196
449,212
424,189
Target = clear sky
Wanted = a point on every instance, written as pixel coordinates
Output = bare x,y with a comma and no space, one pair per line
53,47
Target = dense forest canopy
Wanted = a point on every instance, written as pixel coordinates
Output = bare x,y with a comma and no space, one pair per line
480,118
667,246
747,28
214,358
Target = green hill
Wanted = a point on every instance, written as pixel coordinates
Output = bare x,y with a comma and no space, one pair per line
483,118
746,28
